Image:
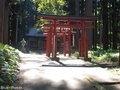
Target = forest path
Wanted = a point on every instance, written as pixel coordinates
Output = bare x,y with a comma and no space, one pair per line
38,72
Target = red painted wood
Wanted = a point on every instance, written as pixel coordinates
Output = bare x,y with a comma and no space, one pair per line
52,17
58,29
67,26
59,34
50,44
54,46
79,42
69,43
54,41
64,44
47,45
86,51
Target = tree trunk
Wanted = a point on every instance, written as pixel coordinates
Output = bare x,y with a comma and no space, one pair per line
2,9
77,14
5,32
114,24
105,25
13,28
89,32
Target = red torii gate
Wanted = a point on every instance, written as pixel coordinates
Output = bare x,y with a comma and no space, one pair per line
53,31
60,32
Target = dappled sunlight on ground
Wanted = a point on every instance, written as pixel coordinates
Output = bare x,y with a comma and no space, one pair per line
56,79
38,77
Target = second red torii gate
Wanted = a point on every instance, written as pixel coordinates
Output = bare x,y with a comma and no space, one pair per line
52,32
64,34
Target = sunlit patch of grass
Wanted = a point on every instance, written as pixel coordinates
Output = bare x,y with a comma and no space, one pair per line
103,55
75,55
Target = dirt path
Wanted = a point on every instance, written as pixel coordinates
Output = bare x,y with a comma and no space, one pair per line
37,72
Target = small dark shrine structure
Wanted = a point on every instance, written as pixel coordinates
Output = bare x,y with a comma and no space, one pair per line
63,26
36,39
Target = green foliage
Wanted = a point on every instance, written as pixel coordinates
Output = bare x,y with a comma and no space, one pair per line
103,55
8,64
76,54
51,7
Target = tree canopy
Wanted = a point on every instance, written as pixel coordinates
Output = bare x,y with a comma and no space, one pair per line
51,6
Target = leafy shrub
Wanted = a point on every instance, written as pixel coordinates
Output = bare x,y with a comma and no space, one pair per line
103,55
8,64
75,55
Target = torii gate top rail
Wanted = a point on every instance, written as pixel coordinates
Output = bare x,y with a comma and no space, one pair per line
69,18
81,22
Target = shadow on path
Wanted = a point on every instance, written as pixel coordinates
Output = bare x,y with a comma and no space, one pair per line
36,77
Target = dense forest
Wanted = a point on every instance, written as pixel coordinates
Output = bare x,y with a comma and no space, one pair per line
24,14
18,16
